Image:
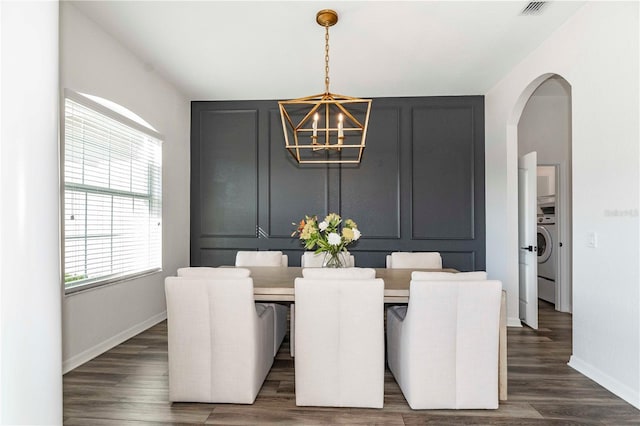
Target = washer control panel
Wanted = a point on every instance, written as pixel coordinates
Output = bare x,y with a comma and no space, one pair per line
546,220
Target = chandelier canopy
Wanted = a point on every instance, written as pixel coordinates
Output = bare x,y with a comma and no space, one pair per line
327,127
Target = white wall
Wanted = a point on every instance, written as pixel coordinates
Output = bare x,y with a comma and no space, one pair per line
546,181
30,341
596,51
92,62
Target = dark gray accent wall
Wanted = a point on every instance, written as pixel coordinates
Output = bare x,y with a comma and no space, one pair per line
419,187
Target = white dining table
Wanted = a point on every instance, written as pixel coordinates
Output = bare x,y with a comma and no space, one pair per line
276,284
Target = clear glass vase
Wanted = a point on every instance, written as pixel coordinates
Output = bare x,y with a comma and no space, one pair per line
333,260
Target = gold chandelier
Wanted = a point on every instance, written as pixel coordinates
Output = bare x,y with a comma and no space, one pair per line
325,128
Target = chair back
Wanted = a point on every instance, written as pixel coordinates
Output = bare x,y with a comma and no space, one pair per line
215,354
452,332
310,259
339,337
261,258
327,274
425,260
280,311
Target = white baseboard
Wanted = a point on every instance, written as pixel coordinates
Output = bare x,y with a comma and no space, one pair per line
623,391
89,354
513,322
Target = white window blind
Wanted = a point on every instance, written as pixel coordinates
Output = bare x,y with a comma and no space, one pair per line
112,198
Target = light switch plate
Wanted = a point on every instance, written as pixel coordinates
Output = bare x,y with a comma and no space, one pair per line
592,240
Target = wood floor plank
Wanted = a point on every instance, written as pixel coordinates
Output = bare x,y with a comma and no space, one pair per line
236,415
139,411
605,411
86,421
128,386
459,420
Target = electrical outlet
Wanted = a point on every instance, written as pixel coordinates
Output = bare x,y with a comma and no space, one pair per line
592,240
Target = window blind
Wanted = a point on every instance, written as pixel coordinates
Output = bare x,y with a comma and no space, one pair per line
112,199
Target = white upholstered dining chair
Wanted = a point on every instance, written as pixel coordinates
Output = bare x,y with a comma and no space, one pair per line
325,273
261,258
279,310
220,342
425,260
339,338
310,259
442,348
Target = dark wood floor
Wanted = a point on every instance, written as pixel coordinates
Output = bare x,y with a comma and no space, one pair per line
128,386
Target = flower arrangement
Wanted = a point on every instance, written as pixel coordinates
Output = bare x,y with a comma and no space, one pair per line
326,236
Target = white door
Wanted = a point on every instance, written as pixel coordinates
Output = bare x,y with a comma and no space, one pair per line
527,238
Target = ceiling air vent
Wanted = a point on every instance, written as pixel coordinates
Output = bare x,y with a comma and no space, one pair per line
533,8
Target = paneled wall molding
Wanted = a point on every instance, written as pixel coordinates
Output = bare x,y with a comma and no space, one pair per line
419,187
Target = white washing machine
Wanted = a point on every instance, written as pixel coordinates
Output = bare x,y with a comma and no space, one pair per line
547,255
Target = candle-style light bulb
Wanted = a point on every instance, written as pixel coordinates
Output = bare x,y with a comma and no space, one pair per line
316,117
340,131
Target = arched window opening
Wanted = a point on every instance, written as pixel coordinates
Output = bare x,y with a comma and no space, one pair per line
112,209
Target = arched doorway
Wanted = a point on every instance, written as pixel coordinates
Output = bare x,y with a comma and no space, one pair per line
541,122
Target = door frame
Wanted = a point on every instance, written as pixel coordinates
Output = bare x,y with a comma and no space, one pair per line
564,224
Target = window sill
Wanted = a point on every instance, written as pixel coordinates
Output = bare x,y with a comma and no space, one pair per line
96,285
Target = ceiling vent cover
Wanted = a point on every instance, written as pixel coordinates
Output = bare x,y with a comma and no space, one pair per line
533,8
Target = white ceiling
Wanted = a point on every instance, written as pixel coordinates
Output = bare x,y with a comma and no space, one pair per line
221,50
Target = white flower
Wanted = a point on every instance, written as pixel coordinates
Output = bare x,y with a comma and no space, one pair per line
356,234
323,225
334,239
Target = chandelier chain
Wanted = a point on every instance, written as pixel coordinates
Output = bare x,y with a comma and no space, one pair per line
326,58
